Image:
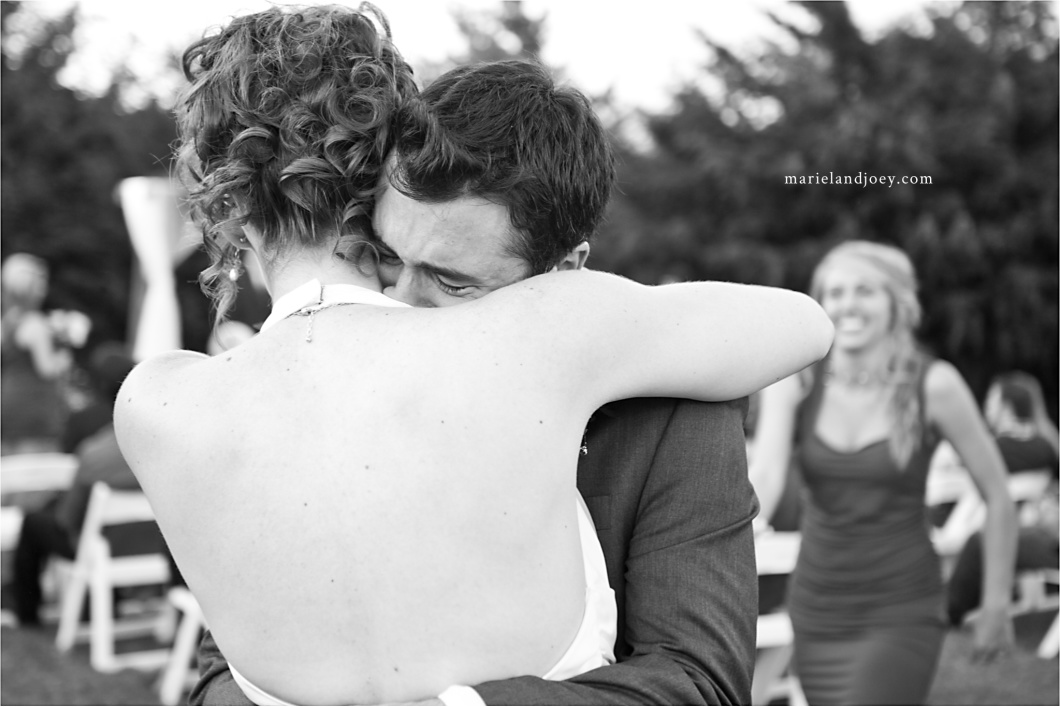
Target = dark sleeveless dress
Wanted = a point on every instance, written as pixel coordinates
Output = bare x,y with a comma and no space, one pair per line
866,597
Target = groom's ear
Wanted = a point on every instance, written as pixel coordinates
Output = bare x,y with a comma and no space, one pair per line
575,259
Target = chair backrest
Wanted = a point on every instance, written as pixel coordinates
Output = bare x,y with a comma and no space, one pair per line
1029,485
45,471
108,506
947,484
969,513
1030,492
777,551
951,484
945,458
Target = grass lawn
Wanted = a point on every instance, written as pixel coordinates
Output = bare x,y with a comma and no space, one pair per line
1021,678
32,672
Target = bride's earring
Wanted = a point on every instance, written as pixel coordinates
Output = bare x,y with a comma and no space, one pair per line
235,263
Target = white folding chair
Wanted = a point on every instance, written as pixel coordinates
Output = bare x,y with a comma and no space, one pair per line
1049,648
43,471
955,485
179,673
775,554
25,477
1034,595
97,573
951,484
1028,487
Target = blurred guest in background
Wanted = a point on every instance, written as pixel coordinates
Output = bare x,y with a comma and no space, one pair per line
33,358
54,530
866,598
1027,438
107,367
246,314
1015,411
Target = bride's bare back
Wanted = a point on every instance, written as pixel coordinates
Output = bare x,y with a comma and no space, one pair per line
389,509
370,514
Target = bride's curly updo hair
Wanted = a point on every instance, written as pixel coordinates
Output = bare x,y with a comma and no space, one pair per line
285,125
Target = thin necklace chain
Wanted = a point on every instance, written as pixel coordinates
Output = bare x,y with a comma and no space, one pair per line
310,311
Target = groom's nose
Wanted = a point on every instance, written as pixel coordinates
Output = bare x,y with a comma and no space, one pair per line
406,290
394,292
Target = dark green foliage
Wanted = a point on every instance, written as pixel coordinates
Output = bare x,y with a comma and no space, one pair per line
974,106
63,155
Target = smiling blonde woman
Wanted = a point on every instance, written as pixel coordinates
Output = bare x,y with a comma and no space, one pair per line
866,598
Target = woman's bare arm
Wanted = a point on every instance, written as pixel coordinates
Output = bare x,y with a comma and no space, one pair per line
952,408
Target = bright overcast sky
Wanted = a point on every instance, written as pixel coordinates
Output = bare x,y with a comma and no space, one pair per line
641,50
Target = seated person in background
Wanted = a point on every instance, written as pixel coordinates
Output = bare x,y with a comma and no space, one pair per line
54,530
1037,547
33,360
1015,411
107,368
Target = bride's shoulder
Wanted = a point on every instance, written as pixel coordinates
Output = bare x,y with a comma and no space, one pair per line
159,374
158,389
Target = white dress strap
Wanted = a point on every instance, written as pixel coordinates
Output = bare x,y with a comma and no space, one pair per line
313,296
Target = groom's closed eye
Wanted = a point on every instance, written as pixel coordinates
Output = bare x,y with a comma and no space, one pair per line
388,264
385,254
388,257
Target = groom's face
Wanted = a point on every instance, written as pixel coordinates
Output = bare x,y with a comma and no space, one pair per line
436,255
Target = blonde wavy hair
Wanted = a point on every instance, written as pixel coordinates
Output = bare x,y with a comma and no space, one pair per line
905,361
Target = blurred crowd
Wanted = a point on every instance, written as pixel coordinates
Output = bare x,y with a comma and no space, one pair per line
40,386
53,404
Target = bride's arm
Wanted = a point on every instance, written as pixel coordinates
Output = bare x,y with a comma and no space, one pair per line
702,340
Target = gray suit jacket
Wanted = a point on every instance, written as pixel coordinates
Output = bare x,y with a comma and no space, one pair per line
666,483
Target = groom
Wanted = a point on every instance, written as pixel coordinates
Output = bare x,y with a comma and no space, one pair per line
665,480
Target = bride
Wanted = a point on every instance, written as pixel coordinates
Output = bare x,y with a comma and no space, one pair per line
372,502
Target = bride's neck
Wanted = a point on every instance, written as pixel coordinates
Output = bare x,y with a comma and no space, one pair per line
288,271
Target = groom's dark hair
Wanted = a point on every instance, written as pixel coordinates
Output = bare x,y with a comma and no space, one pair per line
504,131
